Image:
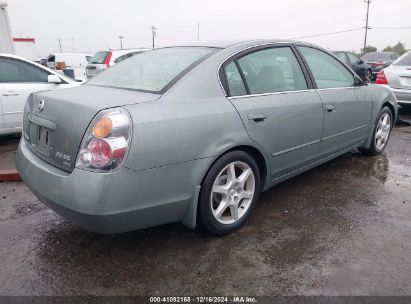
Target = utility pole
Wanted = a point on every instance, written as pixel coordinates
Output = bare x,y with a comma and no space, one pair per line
198,31
366,24
153,29
121,41
59,40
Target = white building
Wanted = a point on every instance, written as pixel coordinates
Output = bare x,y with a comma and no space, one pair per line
25,47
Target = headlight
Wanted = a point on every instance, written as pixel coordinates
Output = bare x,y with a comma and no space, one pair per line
106,142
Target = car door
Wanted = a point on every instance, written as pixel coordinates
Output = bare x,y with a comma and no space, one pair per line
18,79
269,88
347,104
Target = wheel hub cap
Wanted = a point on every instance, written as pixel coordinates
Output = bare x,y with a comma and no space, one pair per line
232,192
383,131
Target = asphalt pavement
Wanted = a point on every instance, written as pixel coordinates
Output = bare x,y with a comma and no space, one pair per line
343,228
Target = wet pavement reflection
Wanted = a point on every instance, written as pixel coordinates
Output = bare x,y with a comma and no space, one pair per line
341,228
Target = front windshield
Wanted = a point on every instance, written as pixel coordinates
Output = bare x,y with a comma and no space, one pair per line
150,71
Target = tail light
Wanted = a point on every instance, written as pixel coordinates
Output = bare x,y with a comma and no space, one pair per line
107,60
381,79
106,142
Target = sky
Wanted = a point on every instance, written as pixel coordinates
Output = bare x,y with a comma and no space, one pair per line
93,25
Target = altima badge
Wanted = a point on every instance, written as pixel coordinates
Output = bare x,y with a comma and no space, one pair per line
40,107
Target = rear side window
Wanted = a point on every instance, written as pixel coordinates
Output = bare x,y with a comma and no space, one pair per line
272,70
353,58
342,57
12,70
235,83
121,58
405,60
328,72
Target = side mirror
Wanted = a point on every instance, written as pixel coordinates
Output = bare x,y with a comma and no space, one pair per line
54,79
360,61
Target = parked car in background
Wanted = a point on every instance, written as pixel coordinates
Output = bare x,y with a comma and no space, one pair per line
19,78
42,61
379,60
103,60
356,64
74,61
398,78
194,133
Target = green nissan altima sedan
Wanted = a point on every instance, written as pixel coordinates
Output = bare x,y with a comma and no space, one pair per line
194,133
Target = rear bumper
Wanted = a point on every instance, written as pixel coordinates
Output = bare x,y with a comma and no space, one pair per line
403,96
114,202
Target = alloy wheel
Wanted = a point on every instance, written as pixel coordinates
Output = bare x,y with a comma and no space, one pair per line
232,192
383,131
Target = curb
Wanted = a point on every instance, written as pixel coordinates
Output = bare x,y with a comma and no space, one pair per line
9,176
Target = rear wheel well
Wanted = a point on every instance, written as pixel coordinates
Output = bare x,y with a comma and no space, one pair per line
255,154
391,107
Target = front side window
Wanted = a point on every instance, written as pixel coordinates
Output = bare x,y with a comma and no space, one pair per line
12,70
272,70
150,71
235,83
327,71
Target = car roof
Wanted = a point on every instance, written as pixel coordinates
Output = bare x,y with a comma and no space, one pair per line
68,53
342,52
385,53
223,44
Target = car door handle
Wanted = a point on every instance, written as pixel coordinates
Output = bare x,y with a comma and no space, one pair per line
329,108
256,117
11,93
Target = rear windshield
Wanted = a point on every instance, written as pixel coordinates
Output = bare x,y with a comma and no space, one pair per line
151,71
99,57
375,56
404,60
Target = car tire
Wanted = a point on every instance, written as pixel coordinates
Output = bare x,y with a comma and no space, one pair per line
381,134
229,193
406,106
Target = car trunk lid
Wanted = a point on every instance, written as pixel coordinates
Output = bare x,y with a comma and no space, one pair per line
55,122
399,77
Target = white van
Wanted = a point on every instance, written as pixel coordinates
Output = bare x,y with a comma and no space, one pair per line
77,62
